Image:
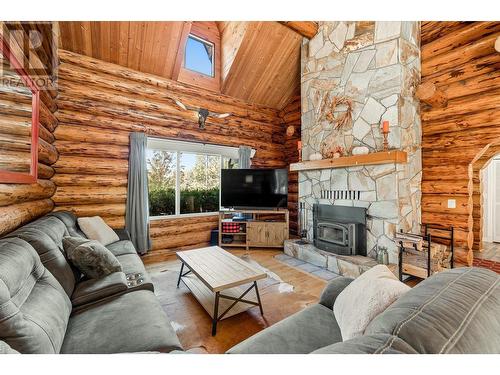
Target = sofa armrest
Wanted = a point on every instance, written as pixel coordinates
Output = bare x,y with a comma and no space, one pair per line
97,289
332,290
6,349
123,234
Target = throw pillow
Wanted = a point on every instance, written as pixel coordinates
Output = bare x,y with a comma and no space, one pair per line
365,298
90,257
96,229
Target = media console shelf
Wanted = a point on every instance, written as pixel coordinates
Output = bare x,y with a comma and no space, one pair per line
262,228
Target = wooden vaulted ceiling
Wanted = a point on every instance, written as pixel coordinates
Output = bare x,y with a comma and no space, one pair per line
260,61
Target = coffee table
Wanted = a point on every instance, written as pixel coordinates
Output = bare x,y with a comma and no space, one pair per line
220,281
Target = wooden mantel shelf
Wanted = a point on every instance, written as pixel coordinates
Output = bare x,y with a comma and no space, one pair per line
383,157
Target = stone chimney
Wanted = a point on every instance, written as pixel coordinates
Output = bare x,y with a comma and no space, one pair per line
376,67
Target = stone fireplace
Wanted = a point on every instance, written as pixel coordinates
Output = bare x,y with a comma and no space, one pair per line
376,66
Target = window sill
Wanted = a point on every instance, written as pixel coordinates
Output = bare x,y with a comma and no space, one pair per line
182,216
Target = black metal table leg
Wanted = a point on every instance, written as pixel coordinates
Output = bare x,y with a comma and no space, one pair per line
215,318
180,274
258,297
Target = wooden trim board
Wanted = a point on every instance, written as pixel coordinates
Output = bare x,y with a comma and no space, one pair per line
383,157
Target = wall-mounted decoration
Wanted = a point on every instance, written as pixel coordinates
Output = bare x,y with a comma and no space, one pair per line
201,113
19,113
337,110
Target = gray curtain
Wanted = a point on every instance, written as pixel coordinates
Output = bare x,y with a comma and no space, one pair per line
245,153
137,210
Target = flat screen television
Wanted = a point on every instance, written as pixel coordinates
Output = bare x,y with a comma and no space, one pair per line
254,188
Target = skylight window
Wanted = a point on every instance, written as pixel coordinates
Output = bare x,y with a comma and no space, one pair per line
199,56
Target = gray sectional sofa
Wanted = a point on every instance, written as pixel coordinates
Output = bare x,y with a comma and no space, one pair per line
46,307
456,311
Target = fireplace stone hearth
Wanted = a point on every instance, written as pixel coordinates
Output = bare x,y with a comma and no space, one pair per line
344,265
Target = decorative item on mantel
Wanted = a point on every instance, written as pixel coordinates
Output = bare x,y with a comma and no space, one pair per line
360,150
299,149
315,156
385,132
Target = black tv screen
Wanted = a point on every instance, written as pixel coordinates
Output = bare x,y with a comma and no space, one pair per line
254,188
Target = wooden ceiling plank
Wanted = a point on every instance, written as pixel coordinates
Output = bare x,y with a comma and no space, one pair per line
124,32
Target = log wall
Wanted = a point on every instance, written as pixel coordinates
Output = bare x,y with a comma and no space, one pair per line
291,115
21,203
459,61
100,103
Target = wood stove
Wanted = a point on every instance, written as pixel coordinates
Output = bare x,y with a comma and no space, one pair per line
340,229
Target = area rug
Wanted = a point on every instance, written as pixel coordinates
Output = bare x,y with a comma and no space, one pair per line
193,324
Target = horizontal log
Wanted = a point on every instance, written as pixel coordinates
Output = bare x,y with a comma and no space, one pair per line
103,210
74,195
45,171
61,179
463,105
180,240
445,187
465,70
47,153
472,86
73,148
473,138
13,216
181,229
446,172
463,222
439,203
90,166
460,123
458,38
175,222
115,222
18,193
474,49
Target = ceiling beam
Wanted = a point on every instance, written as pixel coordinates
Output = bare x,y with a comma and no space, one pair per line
307,29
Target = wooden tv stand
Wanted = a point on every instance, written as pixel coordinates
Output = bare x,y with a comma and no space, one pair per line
266,228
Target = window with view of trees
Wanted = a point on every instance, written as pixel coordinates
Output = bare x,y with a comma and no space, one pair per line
183,182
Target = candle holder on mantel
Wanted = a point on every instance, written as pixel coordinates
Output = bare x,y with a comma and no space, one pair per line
385,133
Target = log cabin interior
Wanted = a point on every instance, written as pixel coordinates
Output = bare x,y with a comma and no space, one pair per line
243,186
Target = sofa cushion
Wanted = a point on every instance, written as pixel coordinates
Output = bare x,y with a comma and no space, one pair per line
69,220
90,257
365,298
93,290
122,248
454,311
45,235
305,331
372,344
34,308
6,349
133,322
96,229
